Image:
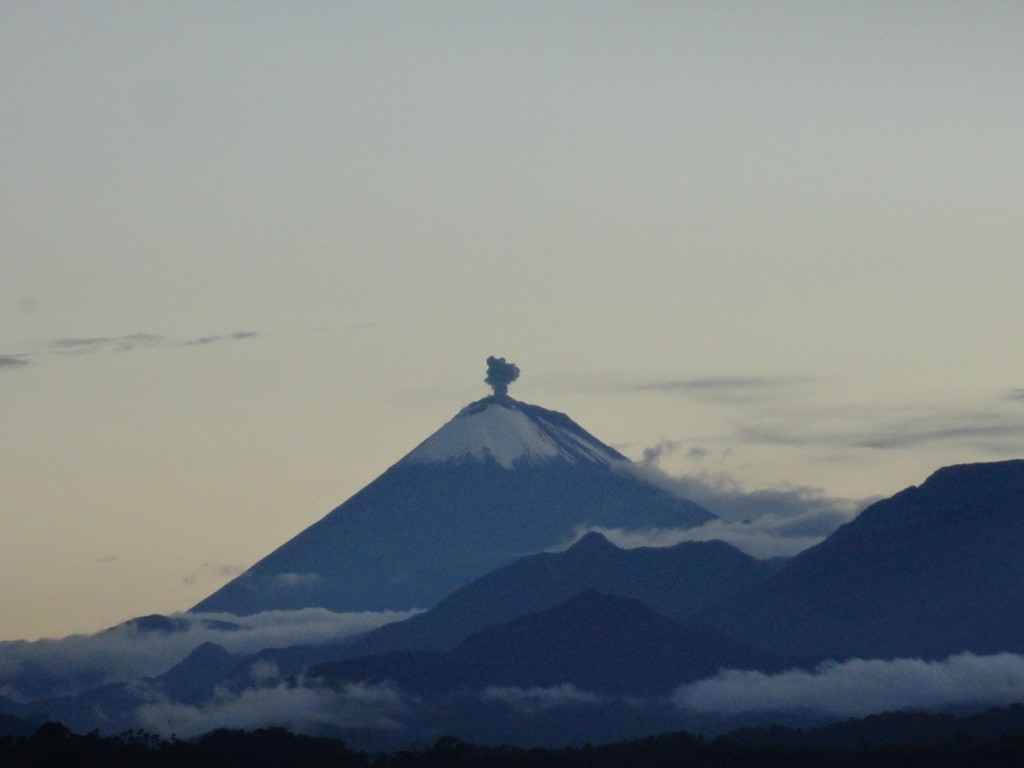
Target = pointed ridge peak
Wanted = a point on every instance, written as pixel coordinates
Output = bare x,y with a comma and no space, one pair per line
206,651
592,542
207,655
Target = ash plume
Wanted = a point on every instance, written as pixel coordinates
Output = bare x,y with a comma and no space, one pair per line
500,374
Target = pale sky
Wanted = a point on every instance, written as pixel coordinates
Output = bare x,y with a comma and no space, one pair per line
253,253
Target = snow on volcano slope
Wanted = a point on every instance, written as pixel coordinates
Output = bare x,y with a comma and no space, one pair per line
509,433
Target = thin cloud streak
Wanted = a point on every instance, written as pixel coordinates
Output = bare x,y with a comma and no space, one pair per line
728,389
8,362
989,431
201,341
206,340
131,342
75,346
781,419
104,343
213,572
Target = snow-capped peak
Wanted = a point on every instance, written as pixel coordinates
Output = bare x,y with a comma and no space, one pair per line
511,433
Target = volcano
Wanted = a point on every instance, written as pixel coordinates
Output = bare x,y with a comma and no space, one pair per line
500,480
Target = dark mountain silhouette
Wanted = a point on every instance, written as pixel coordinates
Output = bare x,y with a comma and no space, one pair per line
501,480
12,725
934,570
596,642
893,728
112,706
952,742
196,674
601,644
677,581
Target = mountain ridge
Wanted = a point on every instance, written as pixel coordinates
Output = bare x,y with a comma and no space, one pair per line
676,581
931,571
597,642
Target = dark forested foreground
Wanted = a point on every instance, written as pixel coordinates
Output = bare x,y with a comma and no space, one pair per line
53,746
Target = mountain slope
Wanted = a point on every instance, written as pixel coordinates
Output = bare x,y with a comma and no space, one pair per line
596,642
677,581
501,480
934,570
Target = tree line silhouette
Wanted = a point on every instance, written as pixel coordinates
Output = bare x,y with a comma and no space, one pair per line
54,746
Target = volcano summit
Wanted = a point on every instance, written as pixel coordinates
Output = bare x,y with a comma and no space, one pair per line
501,480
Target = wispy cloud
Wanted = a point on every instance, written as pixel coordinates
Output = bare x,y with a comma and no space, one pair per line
138,341
107,343
71,346
859,687
202,341
984,430
205,340
728,498
730,389
296,580
799,411
213,572
763,522
8,362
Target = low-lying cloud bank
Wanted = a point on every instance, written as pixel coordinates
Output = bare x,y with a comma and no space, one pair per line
150,646
854,688
299,707
860,687
310,707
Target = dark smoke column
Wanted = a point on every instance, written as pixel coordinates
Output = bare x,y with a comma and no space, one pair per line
500,374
